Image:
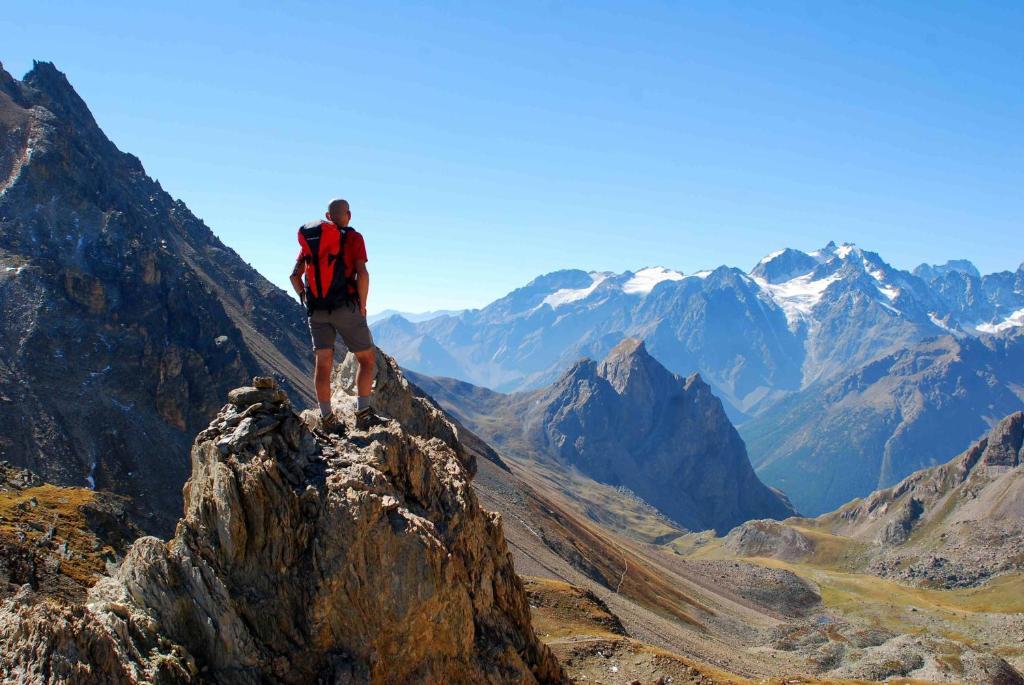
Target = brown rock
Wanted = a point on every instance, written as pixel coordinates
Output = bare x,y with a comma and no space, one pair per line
248,395
304,560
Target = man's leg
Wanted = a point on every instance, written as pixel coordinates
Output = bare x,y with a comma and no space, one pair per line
364,379
323,333
322,378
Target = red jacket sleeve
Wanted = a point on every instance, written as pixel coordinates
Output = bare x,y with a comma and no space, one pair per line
358,248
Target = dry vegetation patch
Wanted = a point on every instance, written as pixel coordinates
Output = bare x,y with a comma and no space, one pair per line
58,540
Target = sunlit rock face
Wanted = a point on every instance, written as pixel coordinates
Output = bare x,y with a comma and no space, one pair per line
302,558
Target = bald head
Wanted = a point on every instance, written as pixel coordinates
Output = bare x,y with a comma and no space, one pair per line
339,212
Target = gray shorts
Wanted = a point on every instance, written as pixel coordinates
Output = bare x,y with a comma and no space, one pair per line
324,327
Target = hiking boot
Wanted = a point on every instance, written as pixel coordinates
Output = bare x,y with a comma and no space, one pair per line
331,425
367,418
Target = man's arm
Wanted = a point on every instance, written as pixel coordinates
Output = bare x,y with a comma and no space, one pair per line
296,279
362,285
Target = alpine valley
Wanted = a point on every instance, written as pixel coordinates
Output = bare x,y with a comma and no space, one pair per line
843,373
556,491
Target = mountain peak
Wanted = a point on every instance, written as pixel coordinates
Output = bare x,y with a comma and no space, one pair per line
631,370
58,95
668,440
119,232
784,265
629,346
846,249
1004,442
830,250
8,83
932,271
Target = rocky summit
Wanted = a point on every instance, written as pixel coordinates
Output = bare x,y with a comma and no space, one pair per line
301,558
627,421
123,319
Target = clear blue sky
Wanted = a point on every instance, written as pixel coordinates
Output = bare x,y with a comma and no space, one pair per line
482,144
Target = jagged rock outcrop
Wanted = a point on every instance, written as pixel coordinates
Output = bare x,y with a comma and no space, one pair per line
396,397
302,559
123,319
629,421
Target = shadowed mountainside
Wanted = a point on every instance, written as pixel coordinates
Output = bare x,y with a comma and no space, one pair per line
124,319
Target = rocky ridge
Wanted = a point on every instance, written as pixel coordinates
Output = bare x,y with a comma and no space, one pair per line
953,525
301,558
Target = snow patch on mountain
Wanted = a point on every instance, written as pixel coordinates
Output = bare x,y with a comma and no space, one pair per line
890,291
644,280
568,295
844,250
1012,321
797,296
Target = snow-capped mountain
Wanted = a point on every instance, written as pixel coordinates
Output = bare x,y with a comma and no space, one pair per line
953,296
774,343
756,336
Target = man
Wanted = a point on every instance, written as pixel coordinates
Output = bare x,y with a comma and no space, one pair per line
333,259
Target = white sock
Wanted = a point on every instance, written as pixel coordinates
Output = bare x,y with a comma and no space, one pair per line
325,408
362,403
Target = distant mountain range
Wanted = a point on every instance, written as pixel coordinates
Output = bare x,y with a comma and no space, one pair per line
627,421
413,316
755,336
790,347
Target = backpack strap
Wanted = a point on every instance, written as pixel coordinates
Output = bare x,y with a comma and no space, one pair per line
310,235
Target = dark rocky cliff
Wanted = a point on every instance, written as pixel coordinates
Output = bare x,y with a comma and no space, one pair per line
123,319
